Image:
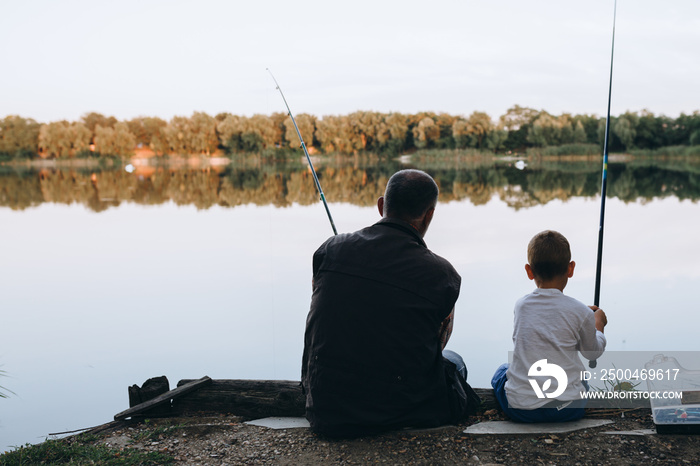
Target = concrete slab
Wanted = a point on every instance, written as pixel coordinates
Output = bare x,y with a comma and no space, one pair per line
300,422
632,432
517,428
424,429
281,422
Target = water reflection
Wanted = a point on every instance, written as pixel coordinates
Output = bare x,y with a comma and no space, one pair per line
358,182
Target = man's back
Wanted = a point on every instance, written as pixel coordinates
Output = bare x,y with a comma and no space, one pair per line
372,357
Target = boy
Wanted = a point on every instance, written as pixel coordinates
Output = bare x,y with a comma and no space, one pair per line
543,383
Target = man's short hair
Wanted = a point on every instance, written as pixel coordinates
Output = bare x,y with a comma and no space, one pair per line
548,254
410,194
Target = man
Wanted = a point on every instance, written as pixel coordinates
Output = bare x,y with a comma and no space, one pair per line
381,314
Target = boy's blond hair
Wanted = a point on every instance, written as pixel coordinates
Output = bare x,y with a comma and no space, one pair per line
548,254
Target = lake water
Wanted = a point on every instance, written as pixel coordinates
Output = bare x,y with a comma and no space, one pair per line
109,278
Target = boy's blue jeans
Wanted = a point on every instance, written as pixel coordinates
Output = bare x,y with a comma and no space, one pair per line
572,412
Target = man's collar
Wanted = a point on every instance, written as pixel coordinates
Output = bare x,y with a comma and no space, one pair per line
401,225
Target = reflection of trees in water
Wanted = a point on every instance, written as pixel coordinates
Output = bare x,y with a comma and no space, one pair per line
647,182
284,184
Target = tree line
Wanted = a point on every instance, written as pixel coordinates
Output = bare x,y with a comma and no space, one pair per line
286,184
519,129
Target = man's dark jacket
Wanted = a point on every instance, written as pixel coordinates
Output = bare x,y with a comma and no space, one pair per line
372,358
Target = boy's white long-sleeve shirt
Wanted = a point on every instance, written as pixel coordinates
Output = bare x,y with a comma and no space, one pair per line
550,325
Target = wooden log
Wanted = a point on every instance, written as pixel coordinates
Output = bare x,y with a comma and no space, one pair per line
165,398
261,398
488,399
247,398
150,389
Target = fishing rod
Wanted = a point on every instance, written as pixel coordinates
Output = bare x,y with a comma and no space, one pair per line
306,152
604,184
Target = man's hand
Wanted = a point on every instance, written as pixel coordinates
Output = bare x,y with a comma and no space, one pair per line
601,319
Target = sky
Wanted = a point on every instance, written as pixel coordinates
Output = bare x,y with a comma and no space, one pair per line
165,58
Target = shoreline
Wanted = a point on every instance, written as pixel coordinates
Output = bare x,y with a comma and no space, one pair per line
226,439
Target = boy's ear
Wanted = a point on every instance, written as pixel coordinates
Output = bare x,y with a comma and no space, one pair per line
570,271
530,274
380,206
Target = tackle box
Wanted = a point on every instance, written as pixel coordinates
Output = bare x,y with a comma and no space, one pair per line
666,379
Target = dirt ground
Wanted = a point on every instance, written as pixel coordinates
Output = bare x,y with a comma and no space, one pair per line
226,440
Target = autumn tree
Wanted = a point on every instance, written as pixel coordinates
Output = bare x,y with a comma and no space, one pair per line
479,125
194,135
115,141
219,117
277,120
243,134
543,131
548,130
425,133
307,127
178,135
93,119
392,133
366,125
137,127
268,131
230,130
150,132
461,133
517,121
566,129
337,133
19,137
204,139
64,139
444,122
327,133
517,117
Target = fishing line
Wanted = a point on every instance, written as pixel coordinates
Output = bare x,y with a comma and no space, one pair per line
604,184
306,152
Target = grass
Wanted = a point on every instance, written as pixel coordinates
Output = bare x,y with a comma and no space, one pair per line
157,432
668,151
78,452
566,149
3,389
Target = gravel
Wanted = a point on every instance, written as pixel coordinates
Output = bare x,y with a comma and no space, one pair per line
227,440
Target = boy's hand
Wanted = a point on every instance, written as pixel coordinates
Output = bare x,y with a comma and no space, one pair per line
600,318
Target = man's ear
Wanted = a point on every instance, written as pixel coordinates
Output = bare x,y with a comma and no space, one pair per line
428,217
570,270
530,274
380,206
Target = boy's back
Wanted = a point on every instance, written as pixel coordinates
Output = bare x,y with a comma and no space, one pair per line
549,332
550,325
